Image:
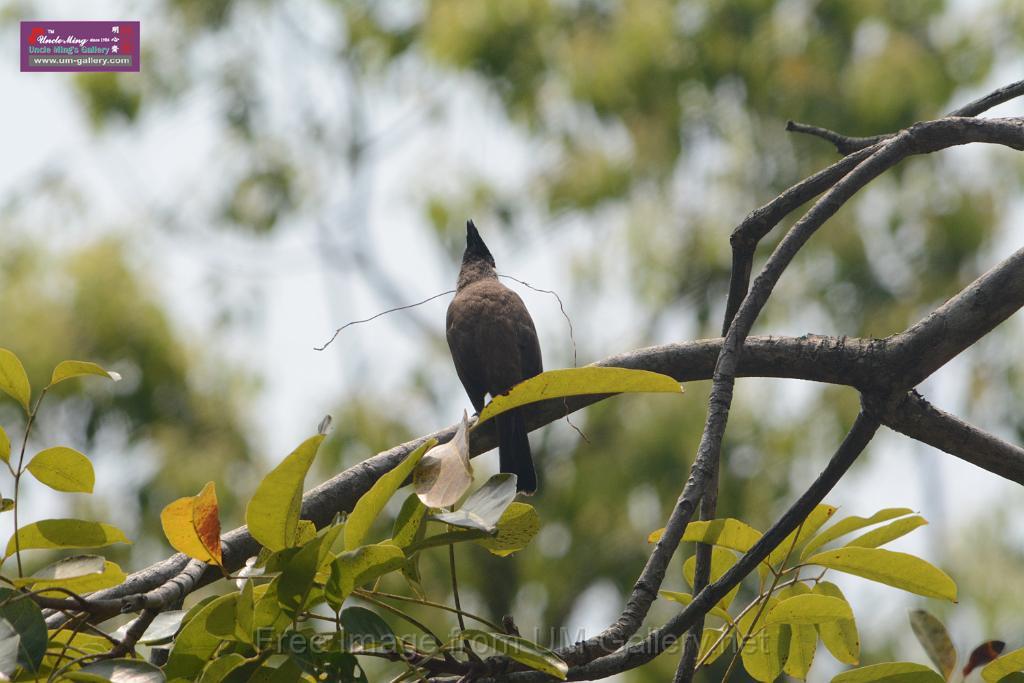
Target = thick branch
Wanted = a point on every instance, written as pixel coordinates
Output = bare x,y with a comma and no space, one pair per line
919,419
958,323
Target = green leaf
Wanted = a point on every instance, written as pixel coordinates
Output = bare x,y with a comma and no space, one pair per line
5,446
244,612
80,574
727,533
850,524
899,570
935,640
579,382
26,619
840,637
523,651
219,669
10,643
373,501
485,506
196,643
687,598
802,534
409,521
357,567
721,561
13,380
516,528
365,630
889,532
297,576
118,671
78,368
273,512
890,672
63,469
809,609
268,619
65,533
446,538
220,620
1005,665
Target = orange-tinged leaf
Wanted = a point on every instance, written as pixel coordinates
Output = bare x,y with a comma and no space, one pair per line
192,525
206,519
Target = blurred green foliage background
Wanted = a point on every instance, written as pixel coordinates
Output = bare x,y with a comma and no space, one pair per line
606,149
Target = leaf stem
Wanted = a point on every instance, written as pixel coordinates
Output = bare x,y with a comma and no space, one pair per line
763,605
19,472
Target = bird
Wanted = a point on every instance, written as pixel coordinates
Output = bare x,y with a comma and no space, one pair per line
494,346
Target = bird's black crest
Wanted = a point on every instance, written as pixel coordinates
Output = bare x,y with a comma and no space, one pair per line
475,247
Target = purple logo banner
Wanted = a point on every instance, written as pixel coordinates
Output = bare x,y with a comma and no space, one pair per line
80,46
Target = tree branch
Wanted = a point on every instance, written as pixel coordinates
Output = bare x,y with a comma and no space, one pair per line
659,640
919,419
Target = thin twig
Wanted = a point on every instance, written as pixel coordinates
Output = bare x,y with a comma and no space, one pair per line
374,317
437,605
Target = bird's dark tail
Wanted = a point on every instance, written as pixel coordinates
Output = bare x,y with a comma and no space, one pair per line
514,450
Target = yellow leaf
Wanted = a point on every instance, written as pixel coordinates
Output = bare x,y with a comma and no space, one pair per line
890,672
518,524
13,380
710,638
80,574
65,533
766,647
809,609
192,525
728,533
5,446
889,532
1007,664
840,637
579,382
803,639
78,368
899,570
850,524
687,598
790,548
63,469
721,561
